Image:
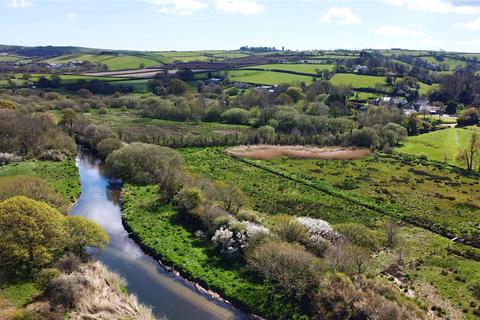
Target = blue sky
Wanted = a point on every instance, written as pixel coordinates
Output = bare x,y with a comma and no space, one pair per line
229,24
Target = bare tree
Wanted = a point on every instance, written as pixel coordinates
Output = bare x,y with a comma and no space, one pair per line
391,228
470,155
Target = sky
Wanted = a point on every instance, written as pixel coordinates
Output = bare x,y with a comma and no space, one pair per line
156,25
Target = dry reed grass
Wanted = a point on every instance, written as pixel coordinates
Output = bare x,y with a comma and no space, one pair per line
268,152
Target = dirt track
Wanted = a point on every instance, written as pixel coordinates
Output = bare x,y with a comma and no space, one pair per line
267,152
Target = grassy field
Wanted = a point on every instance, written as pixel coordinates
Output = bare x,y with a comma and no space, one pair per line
139,85
297,67
267,77
272,193
442,145
129,62
420,192
8,58
94,58
358,81
452,63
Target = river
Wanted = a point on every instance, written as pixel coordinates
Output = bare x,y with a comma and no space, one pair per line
168,294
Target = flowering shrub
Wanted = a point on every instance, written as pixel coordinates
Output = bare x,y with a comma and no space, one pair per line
7,158
319,229
52,155
233,238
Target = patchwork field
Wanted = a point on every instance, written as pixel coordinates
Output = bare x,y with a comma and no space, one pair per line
267,77
298,67
79,57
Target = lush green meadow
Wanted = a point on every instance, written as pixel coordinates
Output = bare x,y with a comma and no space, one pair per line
129,62
296,67
267,77
452,63
358,81
442,145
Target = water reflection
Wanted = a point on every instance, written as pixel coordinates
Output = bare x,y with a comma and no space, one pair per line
168,294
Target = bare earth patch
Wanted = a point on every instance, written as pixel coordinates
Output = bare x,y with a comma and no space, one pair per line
268,152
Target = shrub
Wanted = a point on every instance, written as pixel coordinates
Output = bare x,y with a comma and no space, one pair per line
295,93
66,289
52,155
475,288
235,116
319,229
266,134
7,158
189,200
248,215
287,267
143,163
7,104
102,110
32,187
365,137
468,117
68,263
95,133
359,234
107,146
45,276
82,233
291,230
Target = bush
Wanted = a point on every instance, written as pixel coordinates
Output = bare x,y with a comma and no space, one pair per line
142,163
189,200
7,158
68,263
235,116
95,133
475,288
45,276
52,155
66,290
266,134
365,137
102,110
248,215
468,117
32,187
290,230
359,234
107,146
287,267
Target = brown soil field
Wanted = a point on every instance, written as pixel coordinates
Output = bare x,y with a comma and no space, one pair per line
267,152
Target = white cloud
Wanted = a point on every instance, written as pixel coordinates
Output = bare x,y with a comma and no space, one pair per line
395,31
178,6
470,43
72,16
240,6
407,38
19,3
472,25
343,15
436,6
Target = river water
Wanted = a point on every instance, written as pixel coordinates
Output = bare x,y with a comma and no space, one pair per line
169,295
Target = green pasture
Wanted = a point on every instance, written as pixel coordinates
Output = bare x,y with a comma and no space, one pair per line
296,67
129,62
358,81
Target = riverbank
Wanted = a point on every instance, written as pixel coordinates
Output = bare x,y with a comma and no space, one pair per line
160,234
103,295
